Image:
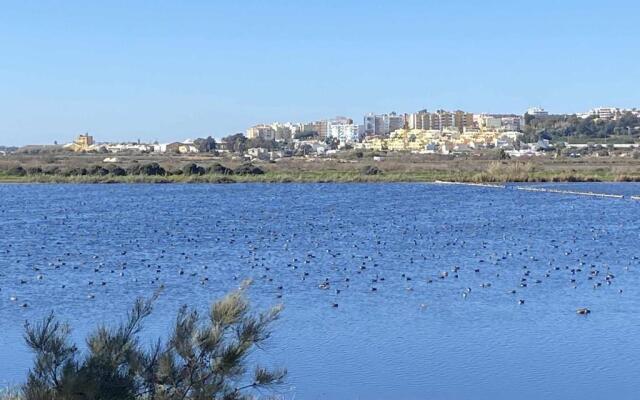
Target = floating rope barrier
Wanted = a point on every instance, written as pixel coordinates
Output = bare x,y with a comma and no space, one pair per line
572,192
489,185
542,190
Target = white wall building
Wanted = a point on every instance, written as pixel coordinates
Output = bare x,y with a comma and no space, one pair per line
369,124
512,123
382,124
537,112
345,133
606,113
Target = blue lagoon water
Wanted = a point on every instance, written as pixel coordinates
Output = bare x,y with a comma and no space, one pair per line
418,335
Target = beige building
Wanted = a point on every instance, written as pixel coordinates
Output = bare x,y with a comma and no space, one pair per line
265,132
320,127
420,140
463,120
440,120
419,120
82,143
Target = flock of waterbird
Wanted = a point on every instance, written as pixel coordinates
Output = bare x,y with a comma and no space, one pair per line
331,251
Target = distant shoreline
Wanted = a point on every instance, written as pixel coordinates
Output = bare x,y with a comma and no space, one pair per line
269,178
349,168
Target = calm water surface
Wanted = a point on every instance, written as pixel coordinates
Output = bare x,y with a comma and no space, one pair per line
416,337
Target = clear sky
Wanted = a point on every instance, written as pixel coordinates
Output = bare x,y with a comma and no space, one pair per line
162,70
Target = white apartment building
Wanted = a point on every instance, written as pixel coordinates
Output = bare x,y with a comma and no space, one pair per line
606,113
499,122
345,133
513,123
394,122
537,112
419,120
369,124
382,124
609,113
286,131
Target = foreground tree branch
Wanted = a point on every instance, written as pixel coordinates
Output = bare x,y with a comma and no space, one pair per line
204,357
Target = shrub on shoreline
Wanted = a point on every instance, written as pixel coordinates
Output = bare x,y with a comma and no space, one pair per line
34,171
371,170
151,169
17,171
219,169
193,169
117,171
74,172
248,169
98,170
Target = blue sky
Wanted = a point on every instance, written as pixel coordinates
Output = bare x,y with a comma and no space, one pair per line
161,70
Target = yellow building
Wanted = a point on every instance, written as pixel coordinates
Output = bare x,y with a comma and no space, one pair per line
375,143
419,140
411,140
82,143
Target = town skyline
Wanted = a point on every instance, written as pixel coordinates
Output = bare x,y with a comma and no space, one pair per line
198,68
359,122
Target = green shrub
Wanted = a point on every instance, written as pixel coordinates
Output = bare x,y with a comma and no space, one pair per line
371,170
17,171
205,357
193,169
97,170
34,171
117,171
75,172
219,169
150,169
248,169
52,170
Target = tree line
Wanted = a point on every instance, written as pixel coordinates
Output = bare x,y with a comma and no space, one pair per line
148,169
564,126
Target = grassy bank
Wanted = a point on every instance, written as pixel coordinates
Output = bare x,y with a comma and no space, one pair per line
395,168
489,176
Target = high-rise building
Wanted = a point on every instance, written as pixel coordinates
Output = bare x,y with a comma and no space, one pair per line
499,122
282,132
419,120
512,123
463,120
324,129
369,124
319,127
395,122
383,124
441,119
344,132
265,132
